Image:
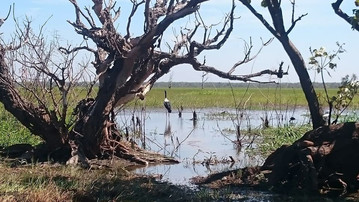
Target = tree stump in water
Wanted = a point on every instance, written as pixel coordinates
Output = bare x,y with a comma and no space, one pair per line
324,160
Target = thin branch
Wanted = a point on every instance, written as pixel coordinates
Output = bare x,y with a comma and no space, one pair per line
135,6
196,48
117,13
68,51
91,18
170,7
294,23
293,9
78,12
2,20
260,17
247,56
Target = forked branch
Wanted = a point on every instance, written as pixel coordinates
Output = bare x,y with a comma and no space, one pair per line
343,15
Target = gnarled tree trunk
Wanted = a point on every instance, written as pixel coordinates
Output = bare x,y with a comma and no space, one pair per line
126,67
34,118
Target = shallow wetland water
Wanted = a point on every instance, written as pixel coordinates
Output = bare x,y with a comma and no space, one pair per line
204,146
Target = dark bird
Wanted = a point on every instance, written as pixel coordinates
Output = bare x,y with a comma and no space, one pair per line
167,103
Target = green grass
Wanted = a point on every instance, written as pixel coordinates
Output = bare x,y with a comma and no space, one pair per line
253,98
63,183
273,138
13,132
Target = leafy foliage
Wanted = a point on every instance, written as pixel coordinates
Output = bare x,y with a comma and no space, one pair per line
322,61
345,95
355,19
264,3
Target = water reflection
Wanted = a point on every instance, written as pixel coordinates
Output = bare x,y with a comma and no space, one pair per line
207,142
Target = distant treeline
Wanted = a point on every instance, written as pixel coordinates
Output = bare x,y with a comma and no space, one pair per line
237,85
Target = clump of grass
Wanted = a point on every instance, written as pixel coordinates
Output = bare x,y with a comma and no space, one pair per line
273,138
45,182
13,132
350,117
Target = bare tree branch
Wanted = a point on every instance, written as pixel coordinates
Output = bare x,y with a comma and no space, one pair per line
79,12
117,13
294,23
2,20
246,78
343,15
278,73
293,9
135,6
260,17
68,51
196,48
247,54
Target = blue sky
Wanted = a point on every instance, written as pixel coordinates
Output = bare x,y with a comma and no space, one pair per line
321,27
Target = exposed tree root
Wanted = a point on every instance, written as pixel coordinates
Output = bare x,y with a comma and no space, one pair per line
133,153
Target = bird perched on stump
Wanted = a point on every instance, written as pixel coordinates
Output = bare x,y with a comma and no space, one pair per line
167,103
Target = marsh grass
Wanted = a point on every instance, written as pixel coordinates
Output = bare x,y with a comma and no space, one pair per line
46,182
13,132
258,98
273,138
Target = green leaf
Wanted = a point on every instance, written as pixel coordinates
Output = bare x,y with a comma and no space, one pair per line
329,74
332,65
356,3
264,3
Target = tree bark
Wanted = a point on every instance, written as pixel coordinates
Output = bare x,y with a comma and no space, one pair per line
305,82
278,31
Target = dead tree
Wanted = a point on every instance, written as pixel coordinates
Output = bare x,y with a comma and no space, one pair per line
282,34
126,67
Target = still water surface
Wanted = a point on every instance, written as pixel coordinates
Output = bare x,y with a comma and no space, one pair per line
210,137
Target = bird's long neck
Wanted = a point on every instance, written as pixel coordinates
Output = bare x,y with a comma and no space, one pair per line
165,94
